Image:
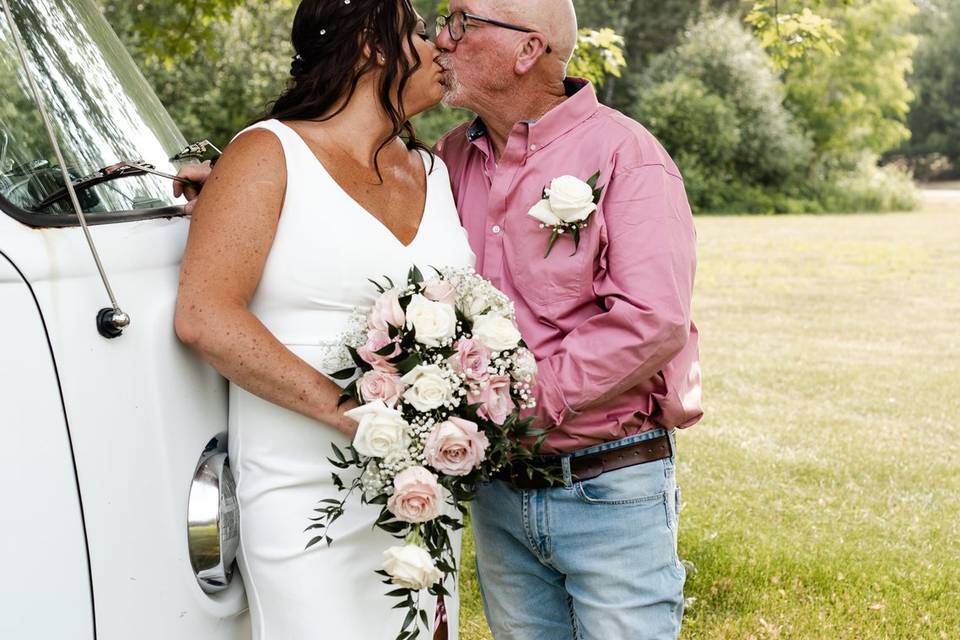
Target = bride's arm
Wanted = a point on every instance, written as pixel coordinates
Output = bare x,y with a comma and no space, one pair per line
233,228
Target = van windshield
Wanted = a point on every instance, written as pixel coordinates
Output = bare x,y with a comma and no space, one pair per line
101,108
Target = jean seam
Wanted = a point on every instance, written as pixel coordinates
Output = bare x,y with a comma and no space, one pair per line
573,618
651,499
673,524
531,540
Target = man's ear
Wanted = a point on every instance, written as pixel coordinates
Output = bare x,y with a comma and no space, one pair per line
533,48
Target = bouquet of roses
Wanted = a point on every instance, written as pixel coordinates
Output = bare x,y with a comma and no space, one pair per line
441,374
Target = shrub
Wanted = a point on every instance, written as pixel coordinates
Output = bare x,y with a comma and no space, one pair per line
868,187
728,62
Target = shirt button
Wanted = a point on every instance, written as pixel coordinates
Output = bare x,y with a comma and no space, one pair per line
496,228
533,147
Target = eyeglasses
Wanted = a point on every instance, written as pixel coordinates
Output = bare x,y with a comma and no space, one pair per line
457,23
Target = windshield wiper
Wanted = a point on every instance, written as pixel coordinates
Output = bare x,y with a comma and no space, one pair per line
125,169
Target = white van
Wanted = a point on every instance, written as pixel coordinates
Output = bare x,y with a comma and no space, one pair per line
117,520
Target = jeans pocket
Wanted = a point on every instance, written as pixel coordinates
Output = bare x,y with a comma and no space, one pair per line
640,484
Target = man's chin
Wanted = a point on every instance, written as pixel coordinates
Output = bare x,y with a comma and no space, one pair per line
451,98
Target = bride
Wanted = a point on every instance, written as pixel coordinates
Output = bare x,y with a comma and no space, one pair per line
302,209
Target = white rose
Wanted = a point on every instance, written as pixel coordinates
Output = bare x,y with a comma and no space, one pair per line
474,306
496,333
542,212
427,388
434,322
411,567
381,431
571,199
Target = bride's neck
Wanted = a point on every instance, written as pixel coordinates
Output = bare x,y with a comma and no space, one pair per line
361,127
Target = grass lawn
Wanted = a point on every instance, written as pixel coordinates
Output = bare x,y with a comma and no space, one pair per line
822,490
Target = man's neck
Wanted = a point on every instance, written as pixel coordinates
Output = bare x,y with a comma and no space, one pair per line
501,115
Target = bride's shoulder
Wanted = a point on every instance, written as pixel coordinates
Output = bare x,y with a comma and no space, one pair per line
254,152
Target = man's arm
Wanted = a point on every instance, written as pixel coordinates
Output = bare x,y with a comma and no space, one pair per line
647,265
197,174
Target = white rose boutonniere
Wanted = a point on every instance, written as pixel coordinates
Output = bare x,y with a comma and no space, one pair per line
566,207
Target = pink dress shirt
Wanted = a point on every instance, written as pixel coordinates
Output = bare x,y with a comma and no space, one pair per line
610,325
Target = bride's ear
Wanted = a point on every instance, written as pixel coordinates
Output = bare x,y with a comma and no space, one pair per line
374,54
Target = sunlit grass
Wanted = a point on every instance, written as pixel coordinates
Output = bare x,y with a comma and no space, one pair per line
822,490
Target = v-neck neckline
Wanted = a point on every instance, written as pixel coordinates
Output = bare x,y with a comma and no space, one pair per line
366,212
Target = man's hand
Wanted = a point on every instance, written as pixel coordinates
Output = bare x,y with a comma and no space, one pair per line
197,174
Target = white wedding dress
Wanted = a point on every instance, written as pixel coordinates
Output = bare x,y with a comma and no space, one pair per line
326,248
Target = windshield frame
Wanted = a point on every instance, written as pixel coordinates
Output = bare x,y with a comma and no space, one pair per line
67,220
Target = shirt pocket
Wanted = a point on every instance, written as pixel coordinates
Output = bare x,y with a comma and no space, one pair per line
560,277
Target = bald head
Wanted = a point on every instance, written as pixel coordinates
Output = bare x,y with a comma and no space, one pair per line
556,19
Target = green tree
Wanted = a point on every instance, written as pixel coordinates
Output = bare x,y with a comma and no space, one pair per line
649,27
934,120
718,80
854,97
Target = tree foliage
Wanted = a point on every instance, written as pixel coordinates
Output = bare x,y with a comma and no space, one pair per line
719,81
853,96
789,37
768,105
934,119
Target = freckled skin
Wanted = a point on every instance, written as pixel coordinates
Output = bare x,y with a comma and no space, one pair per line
235,222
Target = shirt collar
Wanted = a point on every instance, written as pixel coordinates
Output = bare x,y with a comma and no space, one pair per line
581,104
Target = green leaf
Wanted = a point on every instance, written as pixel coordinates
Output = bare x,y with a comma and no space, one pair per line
576,240
387,350
592,181
360,362
344,374
415,276
411,616
407,364
553,240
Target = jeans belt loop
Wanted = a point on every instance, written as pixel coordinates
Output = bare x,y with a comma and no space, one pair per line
567,474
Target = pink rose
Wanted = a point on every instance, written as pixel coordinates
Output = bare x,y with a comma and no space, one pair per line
416,496
456,447
494,399
377,340
377,385
440,291
471,359
387,312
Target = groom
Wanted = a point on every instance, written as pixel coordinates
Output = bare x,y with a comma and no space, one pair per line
607,316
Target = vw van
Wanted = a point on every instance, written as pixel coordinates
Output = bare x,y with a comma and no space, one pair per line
116,499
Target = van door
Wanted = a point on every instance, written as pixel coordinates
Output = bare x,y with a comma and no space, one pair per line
43,551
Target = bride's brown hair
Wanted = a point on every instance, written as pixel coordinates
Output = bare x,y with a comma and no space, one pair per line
329,37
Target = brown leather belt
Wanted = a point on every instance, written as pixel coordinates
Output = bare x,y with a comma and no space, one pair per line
588,466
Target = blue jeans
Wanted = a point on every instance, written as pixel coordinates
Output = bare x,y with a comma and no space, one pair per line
591,560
